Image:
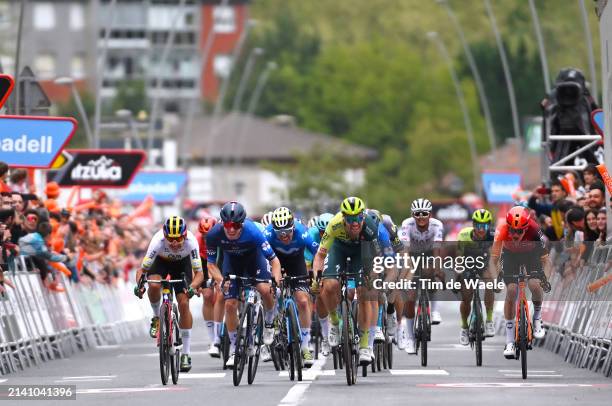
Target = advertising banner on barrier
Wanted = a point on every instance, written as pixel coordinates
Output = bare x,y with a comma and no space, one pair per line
164,187
500,186
98,168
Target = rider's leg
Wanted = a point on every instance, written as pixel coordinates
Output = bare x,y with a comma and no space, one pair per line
231,320
154,294
185,321
302,300
509,311
331,298
323,316
218,313
364,316
267,299
466,306
208,306
409,313
537,294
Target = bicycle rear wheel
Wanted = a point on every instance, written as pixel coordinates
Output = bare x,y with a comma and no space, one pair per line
347,343
523,341
258,342
242,344
164,350
175,358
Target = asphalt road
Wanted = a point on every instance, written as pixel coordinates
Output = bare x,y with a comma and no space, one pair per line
128,374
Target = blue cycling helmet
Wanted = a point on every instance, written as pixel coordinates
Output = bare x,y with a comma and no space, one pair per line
322,221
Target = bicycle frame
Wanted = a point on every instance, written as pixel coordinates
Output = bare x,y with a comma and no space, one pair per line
521,299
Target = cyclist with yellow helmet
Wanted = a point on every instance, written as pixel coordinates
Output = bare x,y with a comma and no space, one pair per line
173,251
343,238
473,242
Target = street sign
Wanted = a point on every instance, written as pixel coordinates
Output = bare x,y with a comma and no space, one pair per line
597,118
61,160
34,142
98,168
500,186
6,87
163,186
34,101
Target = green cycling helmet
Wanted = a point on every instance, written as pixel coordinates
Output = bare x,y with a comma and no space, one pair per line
482,216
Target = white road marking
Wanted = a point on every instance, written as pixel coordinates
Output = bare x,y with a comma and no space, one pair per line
309,375
530,375
203,375
107,347
128,390
296,393
72,378
518,371
418,372
507,385
84,380
3,380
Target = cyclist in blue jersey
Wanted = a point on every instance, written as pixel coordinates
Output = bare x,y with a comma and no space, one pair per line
289,240
246,252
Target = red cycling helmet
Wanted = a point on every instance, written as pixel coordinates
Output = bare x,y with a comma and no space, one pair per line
518,217
206,224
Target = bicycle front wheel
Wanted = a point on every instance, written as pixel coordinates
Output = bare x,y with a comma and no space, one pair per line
478,330
347,344
242,344
258,342
424,336
295,341
523,341
175,357
164,345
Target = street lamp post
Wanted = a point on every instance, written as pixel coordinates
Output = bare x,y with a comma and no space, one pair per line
542,49
475,72
466,115
129,118
67,81
506,68
589,42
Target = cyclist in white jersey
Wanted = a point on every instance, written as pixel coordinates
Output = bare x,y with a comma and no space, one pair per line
421,234
173,251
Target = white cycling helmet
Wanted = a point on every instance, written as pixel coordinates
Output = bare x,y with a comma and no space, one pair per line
421,204
266,219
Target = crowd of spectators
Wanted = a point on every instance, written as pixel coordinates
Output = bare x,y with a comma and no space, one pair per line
90,242
572,214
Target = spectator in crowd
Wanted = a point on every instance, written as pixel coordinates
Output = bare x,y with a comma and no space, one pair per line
31,201
590,175
34,246
591,233
583,201
18,203
597,195
18,180
7,200
557,218
602,225
4,169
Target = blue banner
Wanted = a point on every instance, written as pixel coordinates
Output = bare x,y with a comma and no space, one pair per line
163,186
499,187
33,142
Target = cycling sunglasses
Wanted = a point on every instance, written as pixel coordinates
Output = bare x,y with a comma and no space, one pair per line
31,217
176,239
283,232
420,214
481,226
358,218
513,230
232,224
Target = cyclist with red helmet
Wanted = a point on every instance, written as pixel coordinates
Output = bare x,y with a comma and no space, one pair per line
520,242
213,303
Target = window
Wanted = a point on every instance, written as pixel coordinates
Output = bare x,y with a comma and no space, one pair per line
77,18
222,65
45,66
44,16
77,67
224,19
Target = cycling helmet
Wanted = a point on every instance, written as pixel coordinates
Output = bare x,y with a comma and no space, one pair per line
266,219
352,206
482,216
421,204
233,212
322,221
374,215
282,218
518,217
175,227
312,222
206,224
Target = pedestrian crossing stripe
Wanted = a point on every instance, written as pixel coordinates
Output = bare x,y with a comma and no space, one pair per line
210,375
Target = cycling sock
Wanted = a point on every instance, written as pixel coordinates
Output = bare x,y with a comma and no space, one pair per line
155,307
390,308
490,314
363,341
232,337
509,331
464,322
210,328
334,318
371,335
537,312
305,338
269,316
186,336
217,338
324,322
410,328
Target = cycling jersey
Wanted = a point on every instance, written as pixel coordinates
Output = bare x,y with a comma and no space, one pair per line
384,241
301,242
421,241
251,241
336,233
396,243
469,247
159,247
533,241
316,237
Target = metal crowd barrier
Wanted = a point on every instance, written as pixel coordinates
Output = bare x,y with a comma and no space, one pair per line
38,325
578,322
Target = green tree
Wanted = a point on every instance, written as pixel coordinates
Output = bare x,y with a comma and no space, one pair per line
131,95
69,109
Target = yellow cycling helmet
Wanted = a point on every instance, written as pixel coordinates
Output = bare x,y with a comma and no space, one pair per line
352,206
175,227
282,218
